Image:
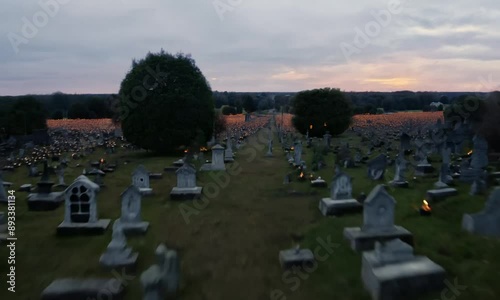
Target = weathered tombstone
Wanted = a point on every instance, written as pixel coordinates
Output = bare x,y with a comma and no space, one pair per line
341,200
376,167
296,257
392,271
44,199
140,178
186,188
228,153
297,153
327,137
217,160
270,148
400,177
80,214
92,184
162,280
479,161
378,222
60,177
130,219
118,255
486,222
81,289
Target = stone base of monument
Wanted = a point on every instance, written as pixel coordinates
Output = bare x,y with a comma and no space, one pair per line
424,170
296,257
134,228
210,167
94,228
228,159
83,289
45,202
329,207
26,188
110,262
61,186
186,193
171,169
365,240
440,185
469,175
146,191
440,194
482,224
400,184
155,175
407,279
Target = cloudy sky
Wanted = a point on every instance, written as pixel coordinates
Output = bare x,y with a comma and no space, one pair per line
254,45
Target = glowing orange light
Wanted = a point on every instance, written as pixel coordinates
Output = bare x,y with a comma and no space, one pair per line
425,206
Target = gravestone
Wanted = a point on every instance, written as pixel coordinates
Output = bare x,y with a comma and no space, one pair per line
440,184
327,137
118,255
479,161
400,177
228,153
376,167
60,177
186,188
44,199
140,178
392,271
486,222
84,289
162,279
92,184
80,214
341,200
440,194
217,160
130,219
297,153
378,222
270,148
296,257
318,182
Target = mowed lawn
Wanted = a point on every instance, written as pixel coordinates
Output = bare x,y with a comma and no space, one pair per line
229,244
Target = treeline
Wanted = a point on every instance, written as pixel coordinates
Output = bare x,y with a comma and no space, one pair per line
363,102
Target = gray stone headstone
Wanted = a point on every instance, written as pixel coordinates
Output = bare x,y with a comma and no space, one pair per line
486,222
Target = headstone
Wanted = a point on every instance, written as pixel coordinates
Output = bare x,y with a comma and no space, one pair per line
341,200
378,222
327,137
83,289
140,178
228,153
130,219
486,222
80,214
118,255
186,188
217,160
297,153
400,177
392,271
162,279
440,194
296,257
376,167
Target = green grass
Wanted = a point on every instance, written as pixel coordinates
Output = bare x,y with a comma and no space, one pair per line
229,249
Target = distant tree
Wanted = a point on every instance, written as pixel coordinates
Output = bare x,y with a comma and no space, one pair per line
465,107
380,111
220,124
59,101
228,110
165,103
98,108
57,115
26,115
248,103
78,110
440,107
322,109
488,124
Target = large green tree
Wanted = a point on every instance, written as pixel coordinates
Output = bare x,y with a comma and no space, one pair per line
25,116
322,110
165,103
